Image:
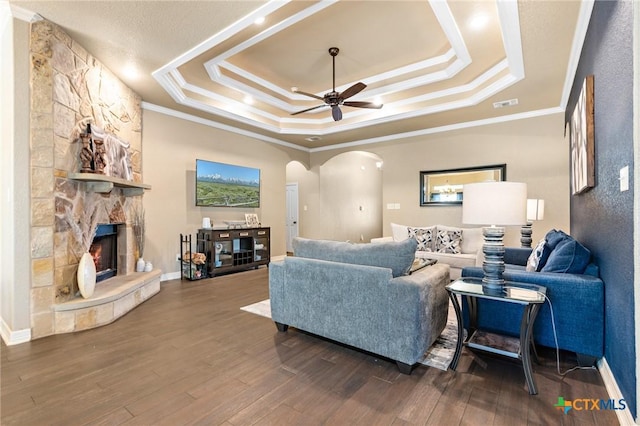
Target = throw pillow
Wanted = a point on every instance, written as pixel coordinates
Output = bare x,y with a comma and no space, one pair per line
472,240
534,258
424,237
399,232
568,256
540,254
448,240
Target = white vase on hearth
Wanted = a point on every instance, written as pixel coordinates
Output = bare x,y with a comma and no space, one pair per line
140,265
86,275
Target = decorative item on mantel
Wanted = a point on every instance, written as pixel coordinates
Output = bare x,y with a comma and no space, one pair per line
138,233
92,154
84,232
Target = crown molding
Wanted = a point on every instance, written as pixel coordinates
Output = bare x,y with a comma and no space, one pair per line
579,35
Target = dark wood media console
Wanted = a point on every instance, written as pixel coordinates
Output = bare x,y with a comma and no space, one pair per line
232,250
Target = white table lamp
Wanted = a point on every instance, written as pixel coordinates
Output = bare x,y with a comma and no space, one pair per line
497,204
535,211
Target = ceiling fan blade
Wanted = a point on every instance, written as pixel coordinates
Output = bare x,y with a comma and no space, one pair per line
336,113
358,104
311,95
308,109
353,90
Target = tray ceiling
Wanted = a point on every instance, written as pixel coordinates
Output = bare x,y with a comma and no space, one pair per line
433,64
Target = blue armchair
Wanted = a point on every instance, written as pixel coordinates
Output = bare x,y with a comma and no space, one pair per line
578,307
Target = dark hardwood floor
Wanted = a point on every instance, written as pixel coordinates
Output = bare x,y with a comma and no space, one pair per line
189,355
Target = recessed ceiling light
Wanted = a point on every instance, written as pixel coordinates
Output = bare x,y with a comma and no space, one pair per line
313,138
478,22
248,99
259,21
502,104
131,72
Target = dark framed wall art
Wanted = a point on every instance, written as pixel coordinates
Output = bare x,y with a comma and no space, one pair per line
582,140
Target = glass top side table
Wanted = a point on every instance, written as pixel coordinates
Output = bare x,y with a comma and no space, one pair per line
530,296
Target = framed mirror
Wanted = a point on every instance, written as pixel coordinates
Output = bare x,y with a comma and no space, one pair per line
444,187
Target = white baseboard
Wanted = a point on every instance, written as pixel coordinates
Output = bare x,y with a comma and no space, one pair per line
176,275
624,416
170,276
14,337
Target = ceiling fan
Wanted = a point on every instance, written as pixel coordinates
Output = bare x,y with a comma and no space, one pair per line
335,99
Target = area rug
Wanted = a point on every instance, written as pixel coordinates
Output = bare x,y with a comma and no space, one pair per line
439,355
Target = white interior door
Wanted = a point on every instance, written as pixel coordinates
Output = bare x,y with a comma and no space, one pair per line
292,214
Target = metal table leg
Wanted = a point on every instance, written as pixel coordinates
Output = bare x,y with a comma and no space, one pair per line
526,332
456,355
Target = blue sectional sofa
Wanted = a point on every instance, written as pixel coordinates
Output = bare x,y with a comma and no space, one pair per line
577,297
362,295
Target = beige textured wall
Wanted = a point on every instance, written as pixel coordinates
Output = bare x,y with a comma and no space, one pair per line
171,147
534,150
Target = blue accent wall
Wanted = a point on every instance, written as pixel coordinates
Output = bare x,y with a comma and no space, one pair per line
602,218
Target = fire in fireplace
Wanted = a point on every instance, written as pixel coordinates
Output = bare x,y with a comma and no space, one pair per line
104,250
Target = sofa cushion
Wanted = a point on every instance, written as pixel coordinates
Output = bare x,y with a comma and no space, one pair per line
453,260
424,237
395,255
448,240
567,256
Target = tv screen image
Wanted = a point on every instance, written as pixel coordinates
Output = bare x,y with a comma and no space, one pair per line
226,185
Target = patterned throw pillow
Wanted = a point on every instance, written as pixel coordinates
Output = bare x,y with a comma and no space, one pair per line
424,237
534,258
448,241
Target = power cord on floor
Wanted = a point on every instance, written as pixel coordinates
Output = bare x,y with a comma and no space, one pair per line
555,338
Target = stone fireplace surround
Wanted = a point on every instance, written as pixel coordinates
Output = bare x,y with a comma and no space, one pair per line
70,88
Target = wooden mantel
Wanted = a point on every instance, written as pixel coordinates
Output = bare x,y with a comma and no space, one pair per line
104,184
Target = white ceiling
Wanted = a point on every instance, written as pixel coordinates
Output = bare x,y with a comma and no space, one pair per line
434,65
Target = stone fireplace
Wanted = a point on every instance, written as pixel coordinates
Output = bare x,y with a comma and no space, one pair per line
69,90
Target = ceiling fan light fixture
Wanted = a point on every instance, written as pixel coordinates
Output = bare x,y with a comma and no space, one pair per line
336,99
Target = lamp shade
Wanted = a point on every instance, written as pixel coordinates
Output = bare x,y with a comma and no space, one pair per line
494,203
535,209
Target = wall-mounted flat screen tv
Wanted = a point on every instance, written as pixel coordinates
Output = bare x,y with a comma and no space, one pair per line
226,185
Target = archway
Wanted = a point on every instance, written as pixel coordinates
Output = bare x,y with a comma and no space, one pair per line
340,199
